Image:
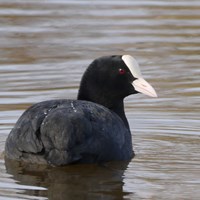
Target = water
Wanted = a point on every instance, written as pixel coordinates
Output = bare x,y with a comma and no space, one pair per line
45,48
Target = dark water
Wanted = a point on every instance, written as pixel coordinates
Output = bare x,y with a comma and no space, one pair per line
44,48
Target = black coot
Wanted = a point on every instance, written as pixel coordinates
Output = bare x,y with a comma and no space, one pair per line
91,129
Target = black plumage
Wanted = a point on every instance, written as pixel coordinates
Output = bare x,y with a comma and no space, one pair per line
91,129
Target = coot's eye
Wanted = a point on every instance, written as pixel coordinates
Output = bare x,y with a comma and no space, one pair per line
122,71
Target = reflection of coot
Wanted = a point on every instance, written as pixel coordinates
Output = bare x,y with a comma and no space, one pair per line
91,129
72,181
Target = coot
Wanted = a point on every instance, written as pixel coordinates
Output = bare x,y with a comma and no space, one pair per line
91,129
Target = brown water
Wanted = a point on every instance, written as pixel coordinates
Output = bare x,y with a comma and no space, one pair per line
45,46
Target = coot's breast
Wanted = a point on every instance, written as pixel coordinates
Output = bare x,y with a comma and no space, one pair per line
67,131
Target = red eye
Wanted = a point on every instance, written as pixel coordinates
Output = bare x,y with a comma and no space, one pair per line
122,71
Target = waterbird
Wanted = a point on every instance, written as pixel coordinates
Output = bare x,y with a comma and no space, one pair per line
91,129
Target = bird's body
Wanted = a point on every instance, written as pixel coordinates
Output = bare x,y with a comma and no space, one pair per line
60,132
91,129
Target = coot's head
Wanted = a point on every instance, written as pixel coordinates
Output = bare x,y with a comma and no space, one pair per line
108,80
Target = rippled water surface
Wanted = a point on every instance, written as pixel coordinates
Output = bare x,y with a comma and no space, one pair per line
45,46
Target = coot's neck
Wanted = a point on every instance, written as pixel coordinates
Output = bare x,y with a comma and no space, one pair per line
119,110
116,105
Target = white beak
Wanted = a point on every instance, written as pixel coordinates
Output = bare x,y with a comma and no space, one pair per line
144,87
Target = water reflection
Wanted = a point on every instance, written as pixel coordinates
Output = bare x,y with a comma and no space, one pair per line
71,182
